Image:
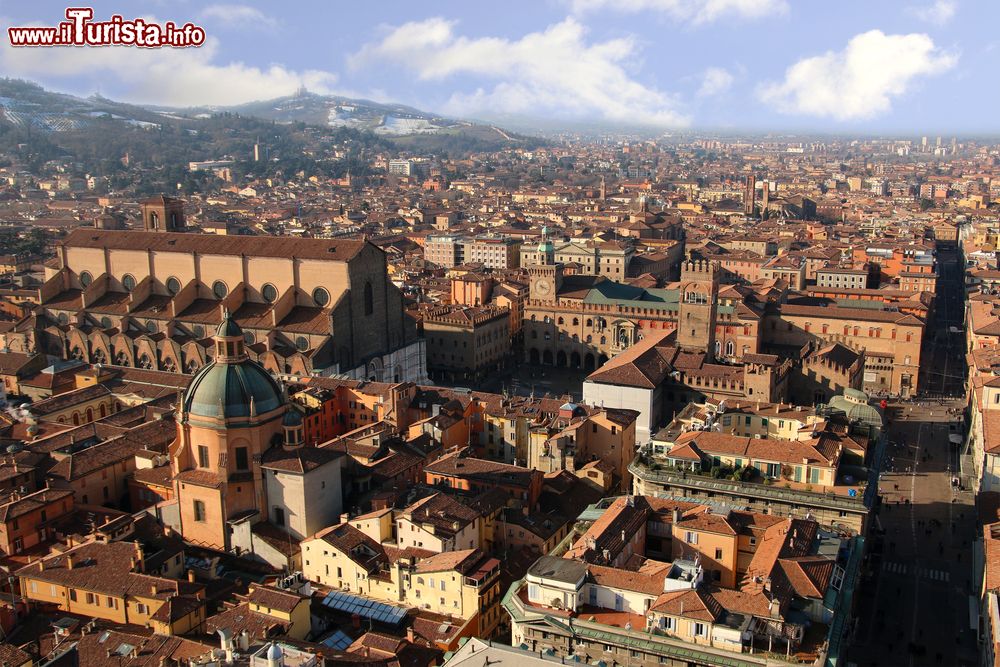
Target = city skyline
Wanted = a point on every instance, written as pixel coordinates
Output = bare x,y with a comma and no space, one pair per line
660,65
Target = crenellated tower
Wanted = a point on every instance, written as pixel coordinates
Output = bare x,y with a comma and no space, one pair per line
699,291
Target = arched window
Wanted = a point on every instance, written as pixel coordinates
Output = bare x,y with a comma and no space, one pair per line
321,297
302,343
128,282
86,278
718,348
559,321
102,411
220,289
90,415
730,349
154,220
269,292
173,285
369,299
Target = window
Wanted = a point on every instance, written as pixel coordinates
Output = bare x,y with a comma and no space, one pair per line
718,553
321,297
173,285
219,289
279,516
269,293
242,460
691,537
128,282
700,630
140,608
202,456
369,299
302,343
199,511
90,598
837,578
86,279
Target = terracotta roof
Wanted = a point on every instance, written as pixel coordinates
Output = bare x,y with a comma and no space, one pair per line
273,598
695,604
646,364
284,247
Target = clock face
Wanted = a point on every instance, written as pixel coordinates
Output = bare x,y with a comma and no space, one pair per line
543,287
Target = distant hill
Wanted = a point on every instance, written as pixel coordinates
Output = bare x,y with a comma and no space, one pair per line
27,104
335,111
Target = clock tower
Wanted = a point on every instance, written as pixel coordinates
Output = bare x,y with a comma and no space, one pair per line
546,279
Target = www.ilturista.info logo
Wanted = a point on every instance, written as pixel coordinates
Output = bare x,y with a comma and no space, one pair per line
80,30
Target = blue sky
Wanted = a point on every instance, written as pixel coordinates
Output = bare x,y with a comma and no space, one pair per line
885,66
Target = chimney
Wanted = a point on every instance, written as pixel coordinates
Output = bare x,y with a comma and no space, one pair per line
191,576
677,516
69,561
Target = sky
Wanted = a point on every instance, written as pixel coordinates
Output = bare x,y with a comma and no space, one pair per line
842,67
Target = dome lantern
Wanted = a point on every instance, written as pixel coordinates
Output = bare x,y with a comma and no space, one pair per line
233,386
230,346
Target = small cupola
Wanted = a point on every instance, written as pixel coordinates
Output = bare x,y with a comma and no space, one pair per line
230,346
292,425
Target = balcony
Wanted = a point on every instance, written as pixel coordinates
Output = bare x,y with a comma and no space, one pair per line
648,470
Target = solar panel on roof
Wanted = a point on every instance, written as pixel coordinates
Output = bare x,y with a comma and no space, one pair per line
372,609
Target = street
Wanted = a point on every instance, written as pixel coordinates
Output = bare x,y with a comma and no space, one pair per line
915,595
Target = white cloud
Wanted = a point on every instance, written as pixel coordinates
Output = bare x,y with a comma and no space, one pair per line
715,81
176,77
860,81
938,13
238,16
694,11
555,72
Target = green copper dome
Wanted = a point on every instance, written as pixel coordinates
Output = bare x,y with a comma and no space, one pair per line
227,390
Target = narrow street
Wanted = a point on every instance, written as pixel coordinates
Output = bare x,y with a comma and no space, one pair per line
915,597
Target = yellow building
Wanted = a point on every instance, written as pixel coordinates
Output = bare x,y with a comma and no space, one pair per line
290,608
106,580
463,584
